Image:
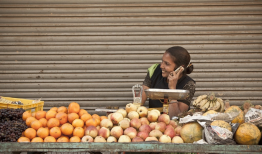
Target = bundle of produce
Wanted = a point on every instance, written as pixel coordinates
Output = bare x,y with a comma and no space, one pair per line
209,102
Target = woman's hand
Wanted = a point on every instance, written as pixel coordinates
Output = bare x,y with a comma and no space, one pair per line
173,78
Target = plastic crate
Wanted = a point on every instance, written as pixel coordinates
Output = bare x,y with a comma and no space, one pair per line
28,104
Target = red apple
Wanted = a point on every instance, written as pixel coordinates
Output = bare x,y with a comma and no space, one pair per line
151,139
152,116
124,138
99,139
91,131
106,123
116,131
177,130
125,123
130,107
135,123
170,126
109,116
131,132
152,125
122,111
111,139
145,128
144,121
137,139
133,114
170,132
165,139
116,117
143,135
87,138
173,123
155,133
104,132
164,118
161,126
142,111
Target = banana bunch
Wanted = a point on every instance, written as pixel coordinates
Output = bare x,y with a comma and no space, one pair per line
209,102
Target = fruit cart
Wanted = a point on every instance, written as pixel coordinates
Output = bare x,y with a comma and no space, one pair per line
55,148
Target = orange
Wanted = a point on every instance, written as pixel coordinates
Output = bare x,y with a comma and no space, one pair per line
43,122
37,139
53,122
29,120
103,117
42,132
96,116
81,112
67,129
26,114
63,139
72,117
30,133
79,131
50,114
86,116
23,139
91,122
73,107
98,121
54,109
55,132
33,114
62,109
40,114
49,139
75,139
36,124
62,117
78,123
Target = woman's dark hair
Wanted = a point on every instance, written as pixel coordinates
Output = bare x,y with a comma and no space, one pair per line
181,57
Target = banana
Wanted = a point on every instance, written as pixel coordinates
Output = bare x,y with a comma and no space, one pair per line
202,103
217,106
222,105
204,108
211,105
200,98
194,103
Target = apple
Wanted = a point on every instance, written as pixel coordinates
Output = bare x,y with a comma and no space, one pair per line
131,132
104,132
143,135
177,139
133,114
98,128
125,123
116,117
142,111
170,126
170,132
165,139
122,111
87,138
164,118
157,111
109,116
145,128
130,107
116,131
161,126
173,123
152,125
106,123
124,138
177,130
155,133
91,131
137,139
144,121
151,139
152,116
135,123
99,139
111,139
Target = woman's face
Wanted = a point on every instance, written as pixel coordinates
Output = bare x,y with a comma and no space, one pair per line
167,64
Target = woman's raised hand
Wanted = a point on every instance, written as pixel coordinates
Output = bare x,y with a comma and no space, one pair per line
173,78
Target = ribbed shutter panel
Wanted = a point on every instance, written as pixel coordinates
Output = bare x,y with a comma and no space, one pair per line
93,52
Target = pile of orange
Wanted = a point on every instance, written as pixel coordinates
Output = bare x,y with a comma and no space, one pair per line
60,124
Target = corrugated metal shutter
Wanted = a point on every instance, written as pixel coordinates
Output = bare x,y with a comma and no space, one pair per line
94,51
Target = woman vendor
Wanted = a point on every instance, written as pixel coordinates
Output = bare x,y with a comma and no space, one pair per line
163,76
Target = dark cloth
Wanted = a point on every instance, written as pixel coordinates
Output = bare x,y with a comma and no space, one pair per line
159,82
